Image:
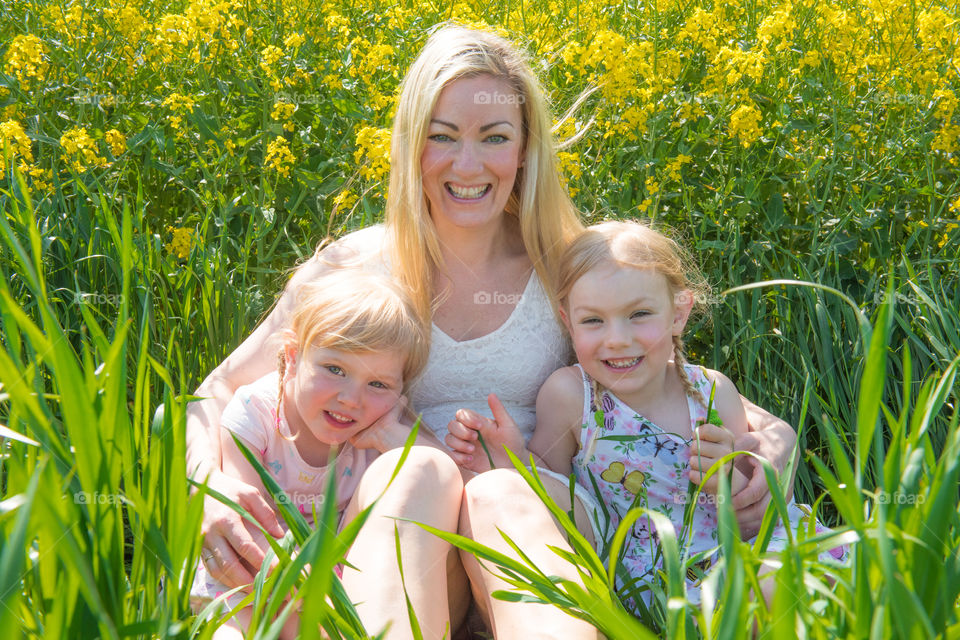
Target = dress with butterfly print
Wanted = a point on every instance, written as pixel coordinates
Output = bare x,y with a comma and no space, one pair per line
627,460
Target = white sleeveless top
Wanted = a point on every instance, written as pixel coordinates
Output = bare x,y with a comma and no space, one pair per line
512,361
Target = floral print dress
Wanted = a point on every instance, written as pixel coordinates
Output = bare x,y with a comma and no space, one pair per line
626,461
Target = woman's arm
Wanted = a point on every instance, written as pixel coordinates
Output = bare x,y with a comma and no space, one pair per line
773,439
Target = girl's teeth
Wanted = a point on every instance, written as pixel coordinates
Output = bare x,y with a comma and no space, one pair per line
467,193
623,363
338,417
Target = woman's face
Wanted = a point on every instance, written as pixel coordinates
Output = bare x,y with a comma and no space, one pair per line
473,150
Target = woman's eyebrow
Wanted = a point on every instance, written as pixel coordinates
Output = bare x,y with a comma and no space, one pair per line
482,129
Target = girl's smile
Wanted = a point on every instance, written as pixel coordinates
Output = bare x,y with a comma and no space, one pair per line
331,395
622,321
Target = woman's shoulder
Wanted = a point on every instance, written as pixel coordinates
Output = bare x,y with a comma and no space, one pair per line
363,249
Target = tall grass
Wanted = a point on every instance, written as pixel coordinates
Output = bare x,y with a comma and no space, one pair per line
104,320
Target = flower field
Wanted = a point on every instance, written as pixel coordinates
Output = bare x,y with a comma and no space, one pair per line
164,165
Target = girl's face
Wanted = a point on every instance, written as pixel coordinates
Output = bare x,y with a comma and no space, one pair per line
622,321
333,394
473,150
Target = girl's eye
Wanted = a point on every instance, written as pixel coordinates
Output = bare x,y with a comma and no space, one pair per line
379,385
591,321
334,369
640,314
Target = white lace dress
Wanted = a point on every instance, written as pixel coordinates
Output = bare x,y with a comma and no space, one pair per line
512,361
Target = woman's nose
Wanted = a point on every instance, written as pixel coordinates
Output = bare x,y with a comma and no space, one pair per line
466,160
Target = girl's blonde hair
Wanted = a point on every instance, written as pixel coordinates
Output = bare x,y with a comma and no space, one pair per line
358,311
637,246
547,217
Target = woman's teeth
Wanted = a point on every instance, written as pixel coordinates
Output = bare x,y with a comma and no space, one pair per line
622,363
467,193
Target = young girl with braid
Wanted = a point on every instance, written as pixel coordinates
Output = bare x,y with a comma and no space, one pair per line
355,345
632,419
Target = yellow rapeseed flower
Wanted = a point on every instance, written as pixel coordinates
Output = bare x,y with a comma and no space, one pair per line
279,158
26,59
81,150
373,152
14,144
745,124
117,142
181,243
283,112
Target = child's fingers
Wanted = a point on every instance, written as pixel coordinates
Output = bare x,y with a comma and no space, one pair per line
713,433
472,420
711,450
459,438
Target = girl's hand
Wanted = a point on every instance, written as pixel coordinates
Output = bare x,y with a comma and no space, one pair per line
711,443
388,432
499,432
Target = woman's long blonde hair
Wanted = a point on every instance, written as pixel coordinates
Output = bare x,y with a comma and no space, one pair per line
547,218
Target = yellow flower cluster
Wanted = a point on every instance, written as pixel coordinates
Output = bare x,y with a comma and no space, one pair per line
373,153
180,105
14,144
181,243
117,142
344,200
675,165
283,112
26,59
279,157
81,150
570,167
745,124
269,57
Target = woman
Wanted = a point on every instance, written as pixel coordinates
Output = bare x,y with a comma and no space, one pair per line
476,218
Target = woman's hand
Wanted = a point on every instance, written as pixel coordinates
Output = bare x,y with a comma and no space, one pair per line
499,432
773,439
234,549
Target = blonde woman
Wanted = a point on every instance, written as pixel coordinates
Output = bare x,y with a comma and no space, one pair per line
476,220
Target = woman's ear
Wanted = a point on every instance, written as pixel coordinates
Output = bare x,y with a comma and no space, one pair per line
682,305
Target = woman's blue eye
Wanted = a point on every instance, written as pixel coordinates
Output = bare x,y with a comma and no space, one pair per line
439,137
498,139
334,369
